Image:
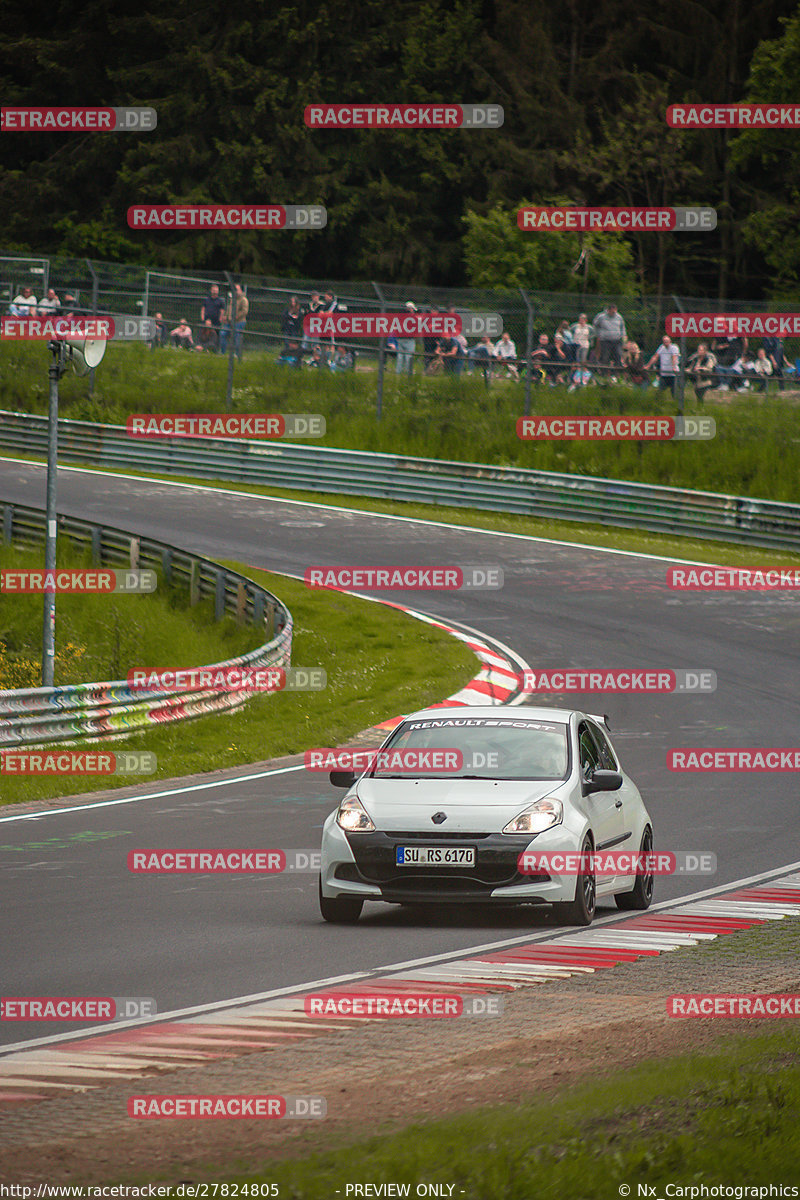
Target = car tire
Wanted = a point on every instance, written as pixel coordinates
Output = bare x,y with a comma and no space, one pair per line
339,910
641,896
581,910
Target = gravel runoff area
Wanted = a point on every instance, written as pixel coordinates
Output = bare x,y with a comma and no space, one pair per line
380,1077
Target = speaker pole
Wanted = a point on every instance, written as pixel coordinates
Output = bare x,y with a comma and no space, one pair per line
58,363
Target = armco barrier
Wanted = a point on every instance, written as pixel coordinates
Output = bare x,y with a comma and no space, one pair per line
467,485
103,711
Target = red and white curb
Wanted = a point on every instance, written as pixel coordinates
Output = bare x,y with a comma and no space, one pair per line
497,682
145,1050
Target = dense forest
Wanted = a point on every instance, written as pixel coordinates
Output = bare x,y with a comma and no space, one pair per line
584,85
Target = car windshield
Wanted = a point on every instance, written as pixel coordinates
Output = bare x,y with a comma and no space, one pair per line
475,748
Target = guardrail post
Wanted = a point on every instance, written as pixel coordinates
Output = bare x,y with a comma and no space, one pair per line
381,359
8,524
259,608
231,343
219,596
97,545
166,564
241,602
194,583
134,553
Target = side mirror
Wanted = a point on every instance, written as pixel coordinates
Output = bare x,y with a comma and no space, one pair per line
346,779
602,781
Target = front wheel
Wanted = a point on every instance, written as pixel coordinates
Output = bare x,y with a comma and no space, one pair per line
642,894
580,911
339,910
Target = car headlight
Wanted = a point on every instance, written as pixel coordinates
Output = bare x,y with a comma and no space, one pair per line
353,817
537,817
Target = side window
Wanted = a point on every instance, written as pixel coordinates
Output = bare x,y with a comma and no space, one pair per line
607,759
590,755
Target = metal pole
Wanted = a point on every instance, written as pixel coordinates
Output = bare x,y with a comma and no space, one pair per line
57,365
94,314
231,343
381,358
682,372
528,351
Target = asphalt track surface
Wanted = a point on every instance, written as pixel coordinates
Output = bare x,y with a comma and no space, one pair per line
77,923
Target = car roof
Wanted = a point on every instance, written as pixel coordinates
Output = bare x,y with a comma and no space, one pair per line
526,712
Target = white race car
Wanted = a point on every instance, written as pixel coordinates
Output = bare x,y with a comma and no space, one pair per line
456,796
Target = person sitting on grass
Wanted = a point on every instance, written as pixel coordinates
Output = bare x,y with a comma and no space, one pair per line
209,338
342,360
291,355
317,359
181,335
505,353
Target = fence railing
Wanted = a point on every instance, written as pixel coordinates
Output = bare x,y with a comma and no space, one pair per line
110,710
679,511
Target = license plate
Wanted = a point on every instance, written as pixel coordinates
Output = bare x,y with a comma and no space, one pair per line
435,856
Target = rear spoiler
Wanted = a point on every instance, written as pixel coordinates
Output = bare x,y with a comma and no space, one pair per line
604,720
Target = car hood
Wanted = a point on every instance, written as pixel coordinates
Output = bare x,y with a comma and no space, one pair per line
471,805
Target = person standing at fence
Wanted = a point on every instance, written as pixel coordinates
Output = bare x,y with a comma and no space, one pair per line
582,338
609,328
406,348
213,308
701,368
292,323
774,350
236,313
668,356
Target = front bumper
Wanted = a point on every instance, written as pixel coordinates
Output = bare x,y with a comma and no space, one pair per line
364,865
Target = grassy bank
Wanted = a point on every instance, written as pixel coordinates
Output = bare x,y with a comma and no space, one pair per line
379,663
756,451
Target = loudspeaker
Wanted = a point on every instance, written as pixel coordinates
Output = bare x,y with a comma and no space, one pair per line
86,354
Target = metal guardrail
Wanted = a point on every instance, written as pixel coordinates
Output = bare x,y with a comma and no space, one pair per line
678,511
104,711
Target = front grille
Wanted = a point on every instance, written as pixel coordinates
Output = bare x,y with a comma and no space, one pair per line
436,836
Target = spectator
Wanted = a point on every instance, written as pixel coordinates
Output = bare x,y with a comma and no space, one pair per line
727,351
580,377
317,359
742,371
70,303
505,353
51,303
558,367
668,357
313,307
609,327
429,346
406,347
633,362
23,305
209,338
291,355
342,360
701,370
162,333
582,338
461,346
449,350
292,322
762,367
330,304
564,331
539,359
212,308
774,349
482,355
181,335
236,311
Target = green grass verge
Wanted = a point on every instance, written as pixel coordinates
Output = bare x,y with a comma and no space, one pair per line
756,451
710,1117
379,663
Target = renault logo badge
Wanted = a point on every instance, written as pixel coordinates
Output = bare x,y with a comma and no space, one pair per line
437,818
